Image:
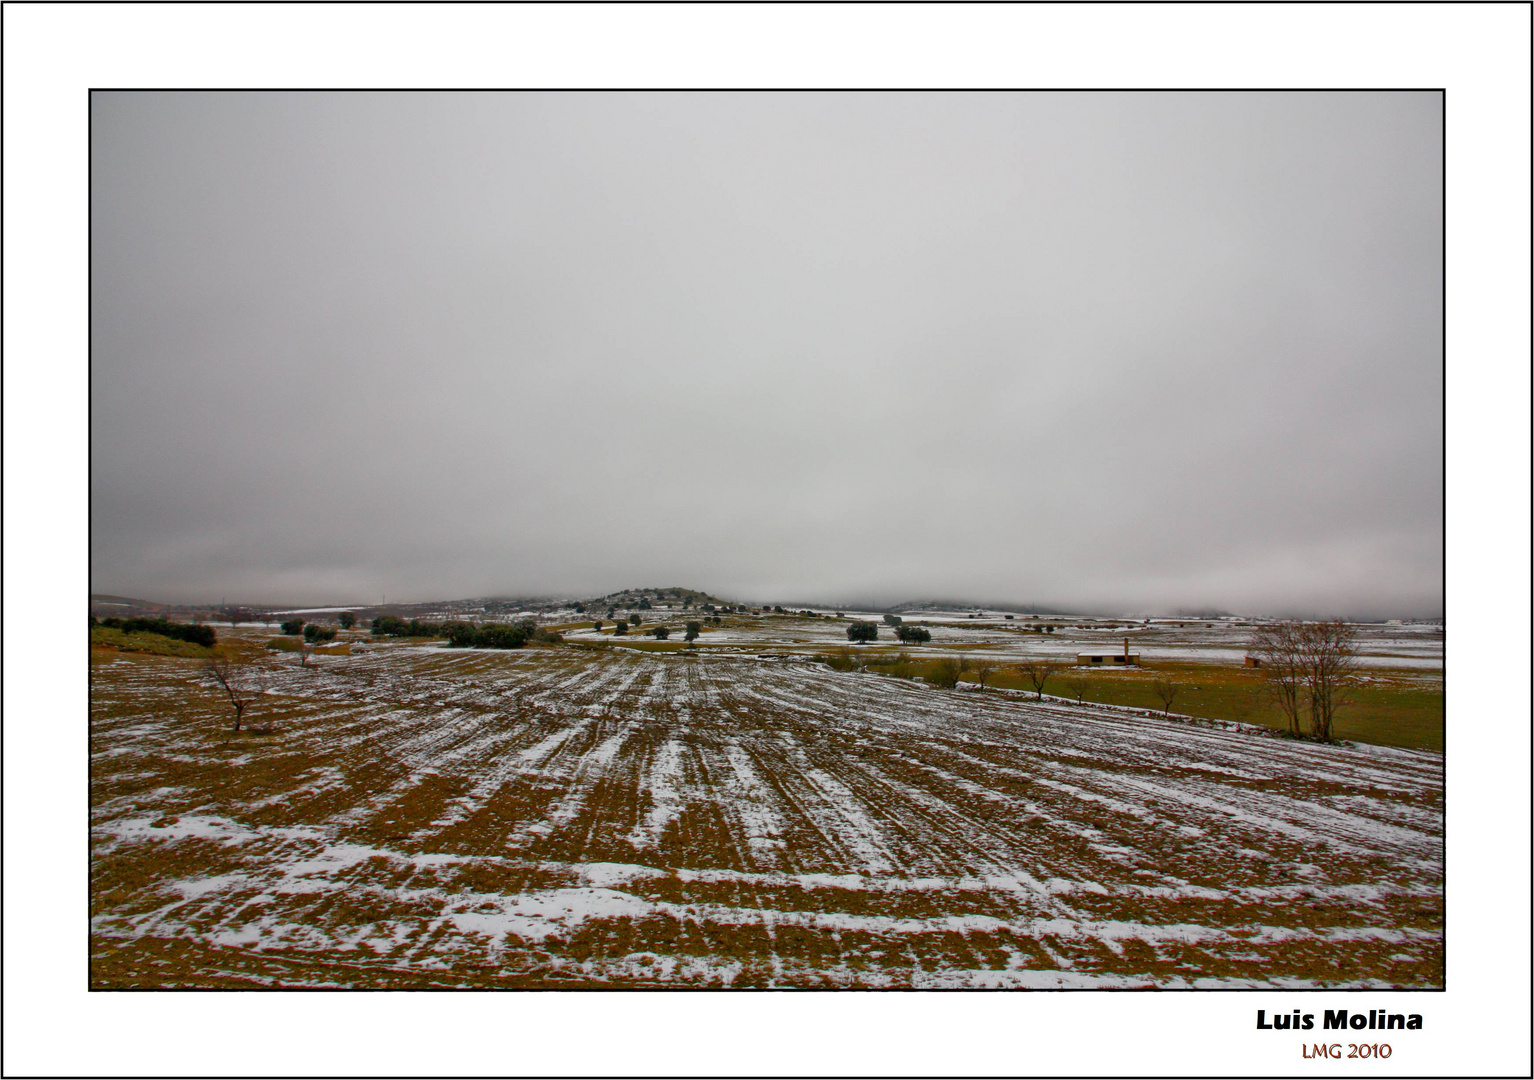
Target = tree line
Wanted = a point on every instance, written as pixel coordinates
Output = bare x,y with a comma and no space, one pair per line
463,635
196,633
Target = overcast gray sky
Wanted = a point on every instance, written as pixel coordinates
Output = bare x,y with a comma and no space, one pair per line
1122,352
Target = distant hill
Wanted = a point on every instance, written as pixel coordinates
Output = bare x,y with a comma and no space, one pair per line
107,602
969,605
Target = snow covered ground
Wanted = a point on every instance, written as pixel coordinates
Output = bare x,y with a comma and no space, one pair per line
1412,647
559,817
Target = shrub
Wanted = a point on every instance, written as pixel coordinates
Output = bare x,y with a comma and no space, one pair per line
597,625
945,673
634,619
315,632
862,631
348,620
661,633
913,635
157,644
293,626
620,628
195,633
842,660
893,620
693,630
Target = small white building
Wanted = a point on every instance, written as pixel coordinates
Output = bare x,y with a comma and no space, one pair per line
1123,659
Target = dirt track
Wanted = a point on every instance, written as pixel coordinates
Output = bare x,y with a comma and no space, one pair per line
565,817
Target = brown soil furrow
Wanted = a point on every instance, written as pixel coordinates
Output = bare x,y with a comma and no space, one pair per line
558,817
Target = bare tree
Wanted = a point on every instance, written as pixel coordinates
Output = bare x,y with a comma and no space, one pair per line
1076,686
1330,654
1277,649
1038,672
1309,666
1166,693
229,674
984,668
305,650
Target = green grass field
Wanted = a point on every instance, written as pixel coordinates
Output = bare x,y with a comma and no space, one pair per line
1387,709
1403,709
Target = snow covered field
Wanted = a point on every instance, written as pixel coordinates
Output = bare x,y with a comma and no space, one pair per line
1416,646
569,817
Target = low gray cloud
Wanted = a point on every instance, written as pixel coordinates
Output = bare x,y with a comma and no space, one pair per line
1126,352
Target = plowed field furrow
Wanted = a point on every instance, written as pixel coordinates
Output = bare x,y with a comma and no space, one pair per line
567,817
